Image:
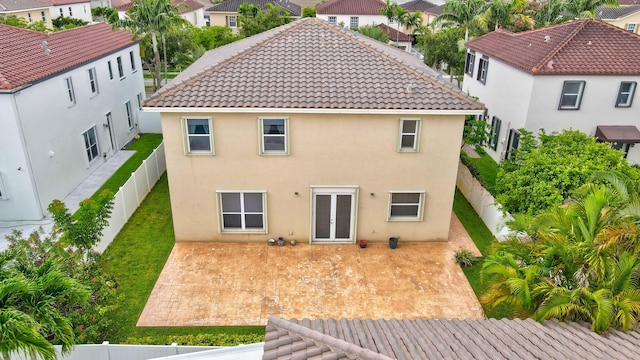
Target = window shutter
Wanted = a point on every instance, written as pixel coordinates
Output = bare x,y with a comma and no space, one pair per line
226,20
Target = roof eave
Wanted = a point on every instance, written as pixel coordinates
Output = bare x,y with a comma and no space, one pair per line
478,111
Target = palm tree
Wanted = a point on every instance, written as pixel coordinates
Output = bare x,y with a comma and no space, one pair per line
498,13
586,9
413,22
151,17
461,12
389,11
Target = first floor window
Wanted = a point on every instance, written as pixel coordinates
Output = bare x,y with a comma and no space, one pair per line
624,147
409,130
406,205
470,63
571,95
120,68
242,210
625,93
274,136
3,193
495,131
631,27
333,19
232,21
512,143
483,66
93,81
91,144
129,113
71,96
199,139
353,23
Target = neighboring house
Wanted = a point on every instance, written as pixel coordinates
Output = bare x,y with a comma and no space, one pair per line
101,3
190,10
427,10
226,12
397,38
29,10
443,339
580,75
312,132
353,13
69,100
78,9
625,17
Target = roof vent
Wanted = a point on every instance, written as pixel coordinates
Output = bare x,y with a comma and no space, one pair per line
44,43
355,34
47,51
409,88
589,43
547,38
550,64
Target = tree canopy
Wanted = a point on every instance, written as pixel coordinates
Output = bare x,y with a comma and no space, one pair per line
253,20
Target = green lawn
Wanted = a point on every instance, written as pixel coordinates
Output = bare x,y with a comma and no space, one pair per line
488,169
136,258
483,239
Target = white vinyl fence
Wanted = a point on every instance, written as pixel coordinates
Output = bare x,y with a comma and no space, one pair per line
131,194
482,202
106,351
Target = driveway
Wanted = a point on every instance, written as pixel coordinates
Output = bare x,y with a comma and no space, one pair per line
215,284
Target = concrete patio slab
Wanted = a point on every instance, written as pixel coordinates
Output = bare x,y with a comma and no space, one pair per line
215,284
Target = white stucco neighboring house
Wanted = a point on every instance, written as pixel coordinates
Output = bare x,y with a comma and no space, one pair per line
353,13
69,100
578,75
78,9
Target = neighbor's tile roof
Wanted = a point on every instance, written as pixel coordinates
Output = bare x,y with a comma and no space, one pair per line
23,59
184,6
418,5
66,2
311,64
395,35
16,5
589,47
350,7
443,339
614,13
233,5
628,2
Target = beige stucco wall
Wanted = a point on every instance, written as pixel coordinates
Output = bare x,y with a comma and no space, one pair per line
220,19
35,15
631,19
325,149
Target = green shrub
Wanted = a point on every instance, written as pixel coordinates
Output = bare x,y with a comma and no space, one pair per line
198,340
465,258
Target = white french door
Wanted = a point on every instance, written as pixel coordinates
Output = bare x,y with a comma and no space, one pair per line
333,215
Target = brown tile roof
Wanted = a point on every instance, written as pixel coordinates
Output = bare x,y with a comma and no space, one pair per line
443,339
310,64
614,13
16,5
24,59
184,6
65,2
585,47
234,5
395,35
628,2
418,5
350,7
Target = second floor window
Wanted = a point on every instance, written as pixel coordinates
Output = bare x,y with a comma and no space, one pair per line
43,16
199,136
483,67
120,68
571,95
274,136
631,27
333,19
495,131
409,130
625,94
133,61
70,12
353,23
71,96
110,70
232,21
129,113
470,63
93,81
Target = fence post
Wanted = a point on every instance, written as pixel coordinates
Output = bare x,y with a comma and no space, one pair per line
146,173
105,349
175,348
135,186
155,152
124,203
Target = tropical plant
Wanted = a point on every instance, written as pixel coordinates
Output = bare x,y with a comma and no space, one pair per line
308,12
253,20
441,49
465,258
476,132
374,32
61,22
586,9
463,13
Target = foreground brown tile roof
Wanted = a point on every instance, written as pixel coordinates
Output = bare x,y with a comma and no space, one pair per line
25,59
443,339
395,35
310,64
350,7
15,5
585,47
234,5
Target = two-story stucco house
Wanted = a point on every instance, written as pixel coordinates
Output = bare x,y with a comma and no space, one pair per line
29,10
580,75
225,13
353,13
78,9
313,132
626,17
428,11
69,100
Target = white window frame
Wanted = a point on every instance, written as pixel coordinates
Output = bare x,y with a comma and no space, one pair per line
93,82
232,21
133,62
578,95
87,148
128,112
242,212
120,67
3,192
415,134
629,94
186,136
333,19
483,68
420,212
71,94
496,124
631,27
354,20
262,136
470,63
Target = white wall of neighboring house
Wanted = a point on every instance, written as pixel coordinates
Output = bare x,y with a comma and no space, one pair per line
100,3
53,130
196,17
362,19
79,11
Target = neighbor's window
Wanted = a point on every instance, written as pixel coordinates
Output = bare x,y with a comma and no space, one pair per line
333,19
483,66
631,27
129,113
495,131
71,95
3,193
61,12
139,101
470,63
70,12
409,134
91,144
43,16
29,17
133,61
274,136
512,143
406,205
571,95
232,21
120,68
625,94
199,139
110,70
353,23
242,211
93,81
